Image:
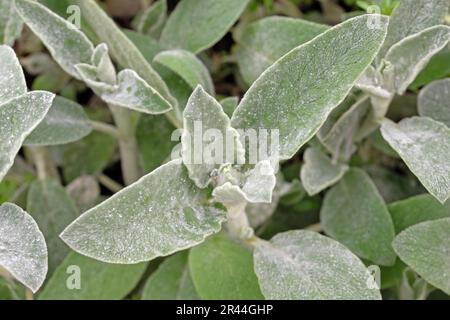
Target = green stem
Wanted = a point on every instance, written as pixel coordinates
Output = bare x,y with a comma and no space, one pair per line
105,128
127,144
109,183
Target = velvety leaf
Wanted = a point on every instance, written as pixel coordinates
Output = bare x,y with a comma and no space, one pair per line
131,91
23,251
85,192
437,68
413,16
204,115
340,139
67,45
424,145
408,212
90,155
160,214
171,281
10,23
122,48
318,172
263,42
188,67
18,118
12,80
434,101
223,269
98,280
306,265
407,58
51,207
297,93
65,122
148,47
354,213
152,20
196,25
424,247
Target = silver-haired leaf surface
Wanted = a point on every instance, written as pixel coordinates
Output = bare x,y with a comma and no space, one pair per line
424,145
298,92
407,58
305,265
408,212
208,128
131,91
424,247
162,213
65,122
434,101
263,42
51,207
10,23
18,118
152,20
413,16
12,80
122,49
196,25
171,281
355,214
23,251
188,67
82,278
67,45
318,172
236,279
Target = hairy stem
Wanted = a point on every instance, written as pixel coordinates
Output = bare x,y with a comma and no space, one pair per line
109,183
43,163
127,144
105,128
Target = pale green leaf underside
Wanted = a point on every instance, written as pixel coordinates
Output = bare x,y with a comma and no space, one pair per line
318,172
265,41
196,25
413,210
407,58
23,252
223,269
306,265
65,122
434,101
51,207
297,93
354,213
413,16
67,45
188,67
99,280
18,118
10,22
424,247
203,115
424,145
171,281
160,214
12,80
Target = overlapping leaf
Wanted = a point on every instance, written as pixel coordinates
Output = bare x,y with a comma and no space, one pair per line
297,93
434,101
162,213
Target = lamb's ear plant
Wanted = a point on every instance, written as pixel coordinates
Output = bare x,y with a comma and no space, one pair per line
212,203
